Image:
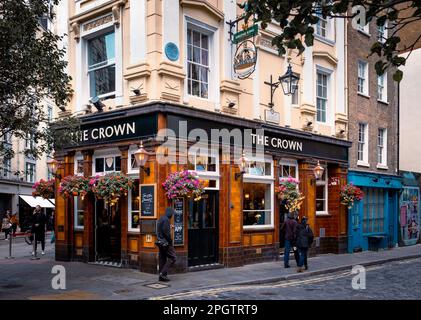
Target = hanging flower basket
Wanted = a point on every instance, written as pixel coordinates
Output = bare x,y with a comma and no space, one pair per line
112,186
74,186
289,193
183,184
44,188
349,194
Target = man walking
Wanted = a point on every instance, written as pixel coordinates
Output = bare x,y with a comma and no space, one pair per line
304,236
167,256
290,226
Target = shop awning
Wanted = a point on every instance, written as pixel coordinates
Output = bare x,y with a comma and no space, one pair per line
35,201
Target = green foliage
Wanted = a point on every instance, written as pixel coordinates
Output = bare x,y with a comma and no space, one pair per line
32,71
297,17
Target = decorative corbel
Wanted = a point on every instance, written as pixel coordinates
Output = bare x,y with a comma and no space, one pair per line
76,30
116,12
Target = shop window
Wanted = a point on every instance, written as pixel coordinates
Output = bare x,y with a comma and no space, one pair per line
321,194
101,65
409,213
79,212
134,207
107,164
257,204
373,204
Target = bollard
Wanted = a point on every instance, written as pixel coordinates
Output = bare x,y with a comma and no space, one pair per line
33,248
10,247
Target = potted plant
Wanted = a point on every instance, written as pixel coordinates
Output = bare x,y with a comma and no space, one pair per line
289,193
112,186
44,188
349,194
183,184
74,186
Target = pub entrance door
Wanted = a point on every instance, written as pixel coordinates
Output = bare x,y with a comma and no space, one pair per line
203,229
107,233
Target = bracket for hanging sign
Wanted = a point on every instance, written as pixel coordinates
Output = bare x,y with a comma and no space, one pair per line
232,24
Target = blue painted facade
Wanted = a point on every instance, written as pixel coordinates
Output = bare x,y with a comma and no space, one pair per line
375,215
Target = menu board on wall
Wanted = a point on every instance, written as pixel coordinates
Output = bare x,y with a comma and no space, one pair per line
178,205
148,200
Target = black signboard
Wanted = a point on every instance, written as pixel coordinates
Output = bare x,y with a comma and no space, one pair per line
178,205
148,200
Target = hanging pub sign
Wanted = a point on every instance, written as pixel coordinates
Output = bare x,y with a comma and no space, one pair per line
245,59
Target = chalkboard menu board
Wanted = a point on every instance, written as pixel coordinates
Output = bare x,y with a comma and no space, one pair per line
148,200
178,205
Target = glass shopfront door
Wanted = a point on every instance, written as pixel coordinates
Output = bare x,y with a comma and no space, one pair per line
203,229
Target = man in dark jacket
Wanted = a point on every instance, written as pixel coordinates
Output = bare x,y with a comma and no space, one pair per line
304,239
290,226
38,228
167,256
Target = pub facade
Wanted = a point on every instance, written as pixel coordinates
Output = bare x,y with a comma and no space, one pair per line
153,73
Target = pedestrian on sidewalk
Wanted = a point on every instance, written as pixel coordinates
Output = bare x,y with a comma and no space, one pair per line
38,228
290,225
167,256
304,237
14,220
6,225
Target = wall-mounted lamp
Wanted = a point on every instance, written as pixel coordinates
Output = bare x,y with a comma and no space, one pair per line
289,83
98,104
318,171
142,156
53,165
242,164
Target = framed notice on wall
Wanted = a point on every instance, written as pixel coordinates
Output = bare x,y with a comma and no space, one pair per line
178,205
147,200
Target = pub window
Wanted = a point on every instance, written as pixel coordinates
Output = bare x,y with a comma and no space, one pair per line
134,207
321,194
79,212
203,163
288,169
107,164
78,169
259,168
101,65
257,204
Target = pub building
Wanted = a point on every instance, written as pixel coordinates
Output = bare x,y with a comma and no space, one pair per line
238,218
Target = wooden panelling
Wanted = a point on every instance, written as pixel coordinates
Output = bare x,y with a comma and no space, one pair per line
247,240
133,245
258,239
79,240
269,238
236,216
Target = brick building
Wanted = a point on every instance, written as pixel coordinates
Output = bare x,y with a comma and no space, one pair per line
372,108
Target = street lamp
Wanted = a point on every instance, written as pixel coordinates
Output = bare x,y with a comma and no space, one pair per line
242,164
289,83
142,156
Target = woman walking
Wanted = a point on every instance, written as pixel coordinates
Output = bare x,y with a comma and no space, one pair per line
304,239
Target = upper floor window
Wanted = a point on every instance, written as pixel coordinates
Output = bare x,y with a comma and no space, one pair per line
107,164
294,97
197,62
6,168
30,172
362,143
46,20
382,33
382,147
322,27
322,96
382,87
101,65
362,86
50,113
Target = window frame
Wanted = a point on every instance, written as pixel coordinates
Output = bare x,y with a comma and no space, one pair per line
382,33
364,77
34,171
76,210
129,208
249,178
103,154
207,175
383,155
383,86
320,98
324,183
290,163
364,161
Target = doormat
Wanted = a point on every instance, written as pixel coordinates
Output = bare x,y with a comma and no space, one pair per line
156,285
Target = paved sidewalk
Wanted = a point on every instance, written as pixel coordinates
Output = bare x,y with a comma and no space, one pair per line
22,278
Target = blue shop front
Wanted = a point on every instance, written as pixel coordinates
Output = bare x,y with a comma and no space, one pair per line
409,209
373,221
